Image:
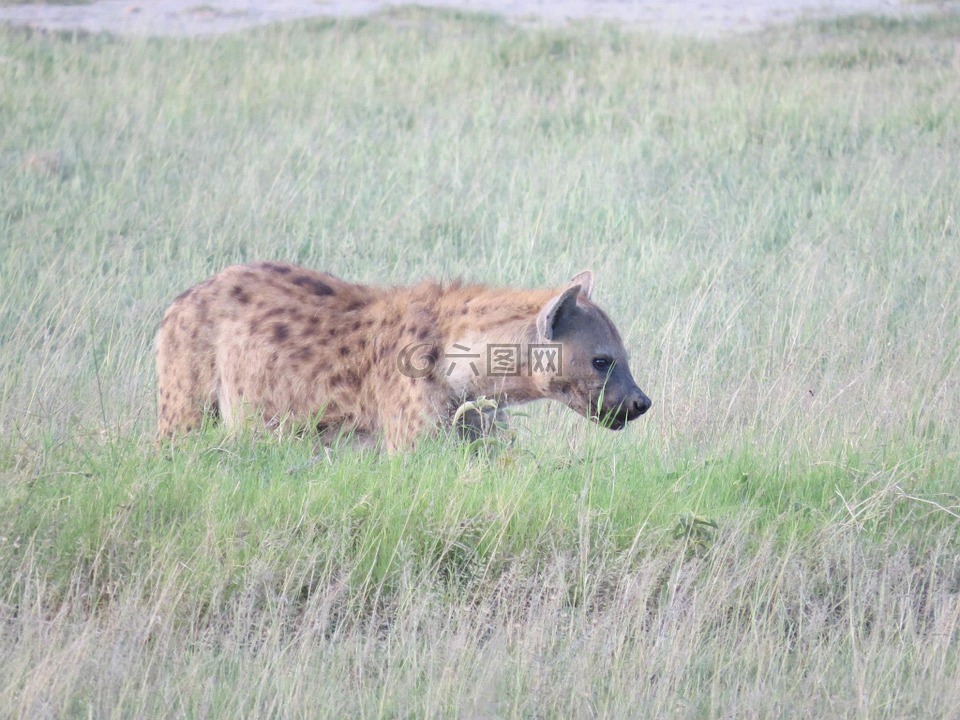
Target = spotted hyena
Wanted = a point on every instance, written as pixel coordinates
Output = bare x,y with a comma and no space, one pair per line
288,346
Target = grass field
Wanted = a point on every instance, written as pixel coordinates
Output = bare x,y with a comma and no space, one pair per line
773,222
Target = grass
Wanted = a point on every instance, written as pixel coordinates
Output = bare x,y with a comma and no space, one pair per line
772,222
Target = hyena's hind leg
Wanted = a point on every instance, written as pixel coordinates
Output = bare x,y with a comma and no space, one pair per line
186,373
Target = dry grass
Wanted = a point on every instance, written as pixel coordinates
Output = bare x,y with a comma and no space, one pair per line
772,220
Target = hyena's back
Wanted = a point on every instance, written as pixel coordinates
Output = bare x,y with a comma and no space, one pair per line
282,340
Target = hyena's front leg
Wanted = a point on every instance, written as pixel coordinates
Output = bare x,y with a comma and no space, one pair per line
415,411
403,436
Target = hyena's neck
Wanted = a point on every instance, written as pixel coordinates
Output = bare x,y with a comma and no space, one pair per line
488,334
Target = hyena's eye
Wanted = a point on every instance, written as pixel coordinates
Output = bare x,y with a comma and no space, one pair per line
602,364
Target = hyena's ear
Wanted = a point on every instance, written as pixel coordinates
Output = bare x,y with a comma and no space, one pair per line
554,309
585,281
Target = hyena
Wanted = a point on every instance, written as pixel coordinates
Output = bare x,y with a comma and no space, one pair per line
291,346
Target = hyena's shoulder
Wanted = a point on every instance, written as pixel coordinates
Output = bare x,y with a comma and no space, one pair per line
470,310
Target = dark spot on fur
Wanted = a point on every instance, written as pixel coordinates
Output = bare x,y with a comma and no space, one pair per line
304,353
354,305
194,333
317,287
433,355
240,295
344,350
280,332
355,326
336,379
274,267
422,333
184,295
273,312
310,327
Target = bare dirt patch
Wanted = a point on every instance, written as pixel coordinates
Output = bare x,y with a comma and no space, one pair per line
688,17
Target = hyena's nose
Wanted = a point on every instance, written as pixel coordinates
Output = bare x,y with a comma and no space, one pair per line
641,403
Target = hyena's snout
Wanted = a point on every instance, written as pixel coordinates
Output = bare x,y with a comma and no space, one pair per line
624,407
635,404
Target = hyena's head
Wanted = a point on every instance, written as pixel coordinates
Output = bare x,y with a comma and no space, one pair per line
592,376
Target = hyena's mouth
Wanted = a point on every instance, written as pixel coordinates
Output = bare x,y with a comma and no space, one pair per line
617,418
612,421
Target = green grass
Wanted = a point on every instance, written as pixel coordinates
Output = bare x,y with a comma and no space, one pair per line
772,221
